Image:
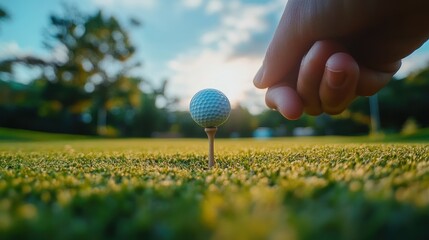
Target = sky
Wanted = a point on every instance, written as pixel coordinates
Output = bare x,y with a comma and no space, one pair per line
195,44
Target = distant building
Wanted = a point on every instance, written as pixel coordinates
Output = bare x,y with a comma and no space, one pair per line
263,133
303,131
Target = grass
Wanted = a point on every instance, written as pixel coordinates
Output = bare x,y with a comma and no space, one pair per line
15,135
306,188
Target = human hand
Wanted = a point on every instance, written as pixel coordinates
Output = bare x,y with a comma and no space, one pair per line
326,53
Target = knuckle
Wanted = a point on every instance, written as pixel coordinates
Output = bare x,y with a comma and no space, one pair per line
333,111
313,111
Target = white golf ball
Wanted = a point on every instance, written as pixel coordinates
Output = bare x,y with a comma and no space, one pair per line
209,108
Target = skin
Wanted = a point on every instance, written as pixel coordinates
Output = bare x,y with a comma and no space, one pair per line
325,53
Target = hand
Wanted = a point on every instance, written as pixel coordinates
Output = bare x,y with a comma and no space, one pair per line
326,53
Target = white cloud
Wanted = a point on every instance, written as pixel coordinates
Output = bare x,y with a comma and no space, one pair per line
215,64
213,69
239,22
22,74
192,3
214,6
10,49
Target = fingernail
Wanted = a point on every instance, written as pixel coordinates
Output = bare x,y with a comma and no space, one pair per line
336,79
257,80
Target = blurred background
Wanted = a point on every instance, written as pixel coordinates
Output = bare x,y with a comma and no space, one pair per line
128,68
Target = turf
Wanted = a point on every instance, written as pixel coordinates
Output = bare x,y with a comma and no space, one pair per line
20,135
161,189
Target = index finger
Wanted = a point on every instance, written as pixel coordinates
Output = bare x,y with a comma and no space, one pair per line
286,49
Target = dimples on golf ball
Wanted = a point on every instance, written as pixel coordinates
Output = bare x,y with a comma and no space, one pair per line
210,108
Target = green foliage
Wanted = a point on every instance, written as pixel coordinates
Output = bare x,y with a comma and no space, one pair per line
240,122
88,89
156,189
410,127
148,118
4,15
404,99
96,69
19,135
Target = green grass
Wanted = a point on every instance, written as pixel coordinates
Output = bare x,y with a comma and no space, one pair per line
18,135
14,135
288,188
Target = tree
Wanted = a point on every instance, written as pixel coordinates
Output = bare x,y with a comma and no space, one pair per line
87,81
3,14
240,123
95,68
405,98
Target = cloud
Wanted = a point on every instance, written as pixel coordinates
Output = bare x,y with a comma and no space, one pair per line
238,23
192,3
213,69
10,49
218,61
22,74
214,6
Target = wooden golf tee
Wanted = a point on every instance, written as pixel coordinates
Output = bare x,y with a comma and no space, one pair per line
211,132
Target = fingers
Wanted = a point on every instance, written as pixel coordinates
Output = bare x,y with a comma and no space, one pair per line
285,52
326,83
332,87
327,80
371,81
285,100
311,73
302,24
339,81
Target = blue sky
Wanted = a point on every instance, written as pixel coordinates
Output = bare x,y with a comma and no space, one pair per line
194,43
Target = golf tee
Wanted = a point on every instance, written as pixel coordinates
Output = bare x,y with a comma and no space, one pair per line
211,132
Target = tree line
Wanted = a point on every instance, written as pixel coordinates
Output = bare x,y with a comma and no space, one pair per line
90,89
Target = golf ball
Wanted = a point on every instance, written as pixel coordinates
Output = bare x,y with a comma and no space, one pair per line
209,108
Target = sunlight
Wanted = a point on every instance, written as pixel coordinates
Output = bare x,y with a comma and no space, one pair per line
213,69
